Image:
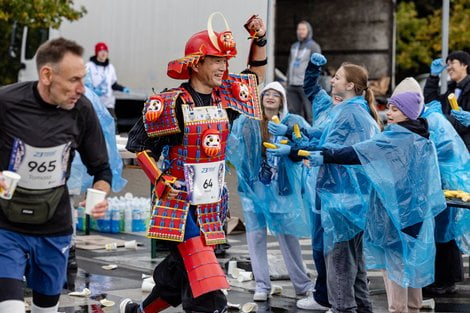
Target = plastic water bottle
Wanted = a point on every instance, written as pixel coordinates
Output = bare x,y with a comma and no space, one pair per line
121,207
146,210
115,220
81,219
128,220
136,218
104,223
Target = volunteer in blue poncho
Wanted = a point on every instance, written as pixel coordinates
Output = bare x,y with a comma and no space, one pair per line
310,134
321,105
343,191
269,188
401,163
453,224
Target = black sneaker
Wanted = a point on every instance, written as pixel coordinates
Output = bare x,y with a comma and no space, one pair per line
440,290
127,306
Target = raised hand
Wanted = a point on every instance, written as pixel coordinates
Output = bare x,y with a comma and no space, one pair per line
318,59
437,66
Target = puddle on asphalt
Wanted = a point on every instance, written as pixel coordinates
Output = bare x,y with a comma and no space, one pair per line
92,308
265,307
100,284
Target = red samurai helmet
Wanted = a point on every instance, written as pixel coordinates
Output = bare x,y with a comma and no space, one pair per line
206,42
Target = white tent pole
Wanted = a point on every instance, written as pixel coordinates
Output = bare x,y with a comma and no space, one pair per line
445,41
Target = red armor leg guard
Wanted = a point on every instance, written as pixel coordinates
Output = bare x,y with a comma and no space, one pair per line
204,271
156,305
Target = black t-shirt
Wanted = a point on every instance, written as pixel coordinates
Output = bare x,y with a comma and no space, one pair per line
25,116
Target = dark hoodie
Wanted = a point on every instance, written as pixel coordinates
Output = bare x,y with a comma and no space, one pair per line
300,53
95,60
432,92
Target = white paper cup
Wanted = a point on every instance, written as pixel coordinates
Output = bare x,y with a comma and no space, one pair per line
249,307
93,197
11,179
110,246
231,266
276,290
244,276
236,271
109,267
130,245
148,284
234,306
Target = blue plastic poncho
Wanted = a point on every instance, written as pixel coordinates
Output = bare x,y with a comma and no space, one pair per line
454,166
276,202
79,180
344,190
402,167
322,104
319,98
311,134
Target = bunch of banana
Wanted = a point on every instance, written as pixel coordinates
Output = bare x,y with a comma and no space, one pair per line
276,120
453,102
297,131
465,196
269,145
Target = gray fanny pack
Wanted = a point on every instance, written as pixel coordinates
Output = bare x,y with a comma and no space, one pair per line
32,206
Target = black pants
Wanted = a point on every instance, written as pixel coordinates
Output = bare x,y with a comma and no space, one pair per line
449,264
172,285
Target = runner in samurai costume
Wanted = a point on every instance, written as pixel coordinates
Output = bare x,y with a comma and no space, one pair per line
188,127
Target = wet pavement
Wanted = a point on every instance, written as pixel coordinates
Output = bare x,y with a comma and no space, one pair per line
125,281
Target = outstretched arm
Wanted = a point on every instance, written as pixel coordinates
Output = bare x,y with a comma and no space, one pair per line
431,88
344,156
462,116
312,72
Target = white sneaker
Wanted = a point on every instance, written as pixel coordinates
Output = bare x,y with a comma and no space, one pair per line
309,303
127,305
428,304
260,296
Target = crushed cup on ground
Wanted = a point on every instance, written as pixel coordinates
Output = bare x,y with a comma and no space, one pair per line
132,244
231,266
245,276
110,246
249,307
